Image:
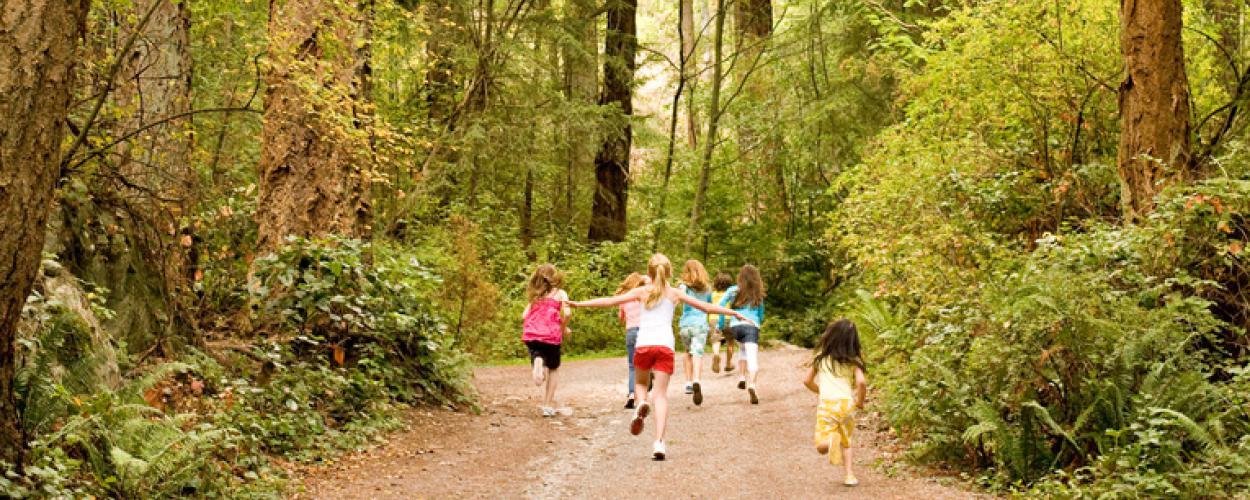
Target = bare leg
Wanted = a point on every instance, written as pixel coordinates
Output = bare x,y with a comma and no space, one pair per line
539,371
729,353
698,367
549,399
688,368
846,461
641,389
659,397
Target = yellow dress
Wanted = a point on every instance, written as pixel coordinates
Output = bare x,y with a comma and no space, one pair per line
835,416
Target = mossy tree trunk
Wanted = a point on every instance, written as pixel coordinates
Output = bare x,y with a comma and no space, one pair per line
315,164
38,41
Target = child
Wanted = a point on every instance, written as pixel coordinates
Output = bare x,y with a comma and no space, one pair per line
838,364
693,327
747,299
720,284
655,341
544,327
629,317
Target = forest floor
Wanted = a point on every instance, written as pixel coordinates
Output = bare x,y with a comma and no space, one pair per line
725,448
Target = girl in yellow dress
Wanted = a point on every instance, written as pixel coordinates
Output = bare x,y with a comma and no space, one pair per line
837,374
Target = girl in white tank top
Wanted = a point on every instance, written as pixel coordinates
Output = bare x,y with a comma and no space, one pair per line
654,353
655,324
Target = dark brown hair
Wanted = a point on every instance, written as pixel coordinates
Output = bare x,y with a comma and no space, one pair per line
722,281
750,288
839,344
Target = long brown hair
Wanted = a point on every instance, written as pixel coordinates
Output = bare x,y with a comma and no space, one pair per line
634,280
695,276
839,345
546,278
750,287
660,270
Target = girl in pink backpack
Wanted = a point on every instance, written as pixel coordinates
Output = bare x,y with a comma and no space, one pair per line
544,330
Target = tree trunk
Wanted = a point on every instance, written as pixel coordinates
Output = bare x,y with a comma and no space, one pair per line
581,77
157,182
1154,104
1228,19
689,44
315,161
714,112
38,40
527,215
607,221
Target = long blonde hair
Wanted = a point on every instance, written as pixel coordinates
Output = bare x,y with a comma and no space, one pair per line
750,287
546,279
660,270
634,280
695,276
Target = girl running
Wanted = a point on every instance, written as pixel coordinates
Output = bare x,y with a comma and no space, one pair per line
654,350
747,299
544,327
837,367
628,315
693,327
720,284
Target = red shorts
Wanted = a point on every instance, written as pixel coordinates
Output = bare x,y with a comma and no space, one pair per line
654,357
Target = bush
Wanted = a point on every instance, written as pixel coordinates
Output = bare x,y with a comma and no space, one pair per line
333,306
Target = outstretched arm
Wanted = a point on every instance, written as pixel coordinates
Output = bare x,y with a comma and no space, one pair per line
634,294
709,308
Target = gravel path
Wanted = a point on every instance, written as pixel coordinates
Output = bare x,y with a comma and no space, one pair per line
725,448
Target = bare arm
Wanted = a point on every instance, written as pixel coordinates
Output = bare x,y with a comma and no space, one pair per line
810,381
634,294
861,387
565,310
709,308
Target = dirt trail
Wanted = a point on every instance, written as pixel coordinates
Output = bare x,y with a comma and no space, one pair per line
725,448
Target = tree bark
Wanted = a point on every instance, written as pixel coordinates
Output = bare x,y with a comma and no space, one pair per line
527,215
607,221
156,178
1154,104
38,41
581,77
315,161
689,47
714,114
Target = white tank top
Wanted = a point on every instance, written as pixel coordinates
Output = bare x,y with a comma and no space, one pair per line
655,324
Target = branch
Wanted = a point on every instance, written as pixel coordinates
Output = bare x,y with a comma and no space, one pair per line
111,80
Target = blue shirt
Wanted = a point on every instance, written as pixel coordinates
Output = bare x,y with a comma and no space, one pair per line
689,315
755,313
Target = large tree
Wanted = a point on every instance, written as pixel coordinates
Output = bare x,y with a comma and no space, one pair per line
1154,103
607,221
38,39
315,161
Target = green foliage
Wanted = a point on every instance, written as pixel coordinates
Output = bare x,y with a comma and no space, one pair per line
337,307
1014,328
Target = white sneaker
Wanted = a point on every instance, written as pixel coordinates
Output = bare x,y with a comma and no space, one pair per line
548,411
659,452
